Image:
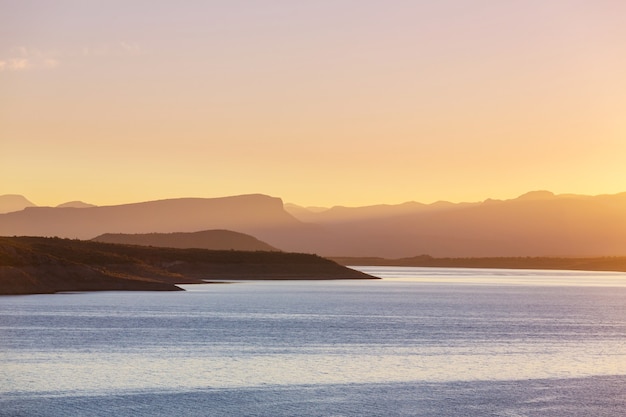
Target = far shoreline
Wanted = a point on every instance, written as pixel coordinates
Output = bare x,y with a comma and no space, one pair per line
591,264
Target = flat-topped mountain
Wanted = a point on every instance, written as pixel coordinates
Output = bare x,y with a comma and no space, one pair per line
207,239
251,214
31,265
536,224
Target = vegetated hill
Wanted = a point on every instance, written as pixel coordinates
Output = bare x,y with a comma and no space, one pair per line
609,263
258,215
207,239
76,204
32,265
13,202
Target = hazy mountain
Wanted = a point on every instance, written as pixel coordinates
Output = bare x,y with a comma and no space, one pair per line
535,224
537,195
13,202
246,214
207,239
341,214
76,204
305,214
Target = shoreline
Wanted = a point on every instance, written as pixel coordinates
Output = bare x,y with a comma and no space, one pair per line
39,265
592,264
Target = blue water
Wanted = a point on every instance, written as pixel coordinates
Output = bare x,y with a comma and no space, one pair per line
420,342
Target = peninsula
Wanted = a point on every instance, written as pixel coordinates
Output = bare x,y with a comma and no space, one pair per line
39,265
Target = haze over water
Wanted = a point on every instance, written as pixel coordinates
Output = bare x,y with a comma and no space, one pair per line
433,342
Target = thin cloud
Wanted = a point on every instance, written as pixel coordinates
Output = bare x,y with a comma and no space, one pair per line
22,59
15,64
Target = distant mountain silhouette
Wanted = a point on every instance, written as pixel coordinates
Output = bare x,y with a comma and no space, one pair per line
341,214
252,214
76,204
537,195
606,263
305,214
13,202
535,224
207,239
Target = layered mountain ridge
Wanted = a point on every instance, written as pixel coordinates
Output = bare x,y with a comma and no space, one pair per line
538,223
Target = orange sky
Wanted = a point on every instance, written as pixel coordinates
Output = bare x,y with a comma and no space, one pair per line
321,103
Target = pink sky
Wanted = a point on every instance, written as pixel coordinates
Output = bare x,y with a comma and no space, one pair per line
320,103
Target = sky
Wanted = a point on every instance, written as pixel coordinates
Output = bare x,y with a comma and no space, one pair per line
321,103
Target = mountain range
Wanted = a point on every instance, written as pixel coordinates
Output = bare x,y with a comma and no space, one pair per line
538,223
16,202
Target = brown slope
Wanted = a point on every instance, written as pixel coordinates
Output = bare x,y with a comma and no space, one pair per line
49,265
30,265
207,239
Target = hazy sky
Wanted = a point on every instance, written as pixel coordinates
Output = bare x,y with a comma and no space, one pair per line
348,102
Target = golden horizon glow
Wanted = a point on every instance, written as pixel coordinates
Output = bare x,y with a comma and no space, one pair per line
318,103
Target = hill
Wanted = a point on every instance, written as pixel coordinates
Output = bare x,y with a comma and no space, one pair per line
13,202
207,239
76,204
33,265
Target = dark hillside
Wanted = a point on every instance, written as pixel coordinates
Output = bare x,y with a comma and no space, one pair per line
31,265
207,239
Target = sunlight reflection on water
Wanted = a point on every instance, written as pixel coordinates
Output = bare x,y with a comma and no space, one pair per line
487,276
417,325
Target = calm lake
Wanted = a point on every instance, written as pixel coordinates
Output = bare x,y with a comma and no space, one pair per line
420,342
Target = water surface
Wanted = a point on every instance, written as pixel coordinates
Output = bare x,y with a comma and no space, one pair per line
421,341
